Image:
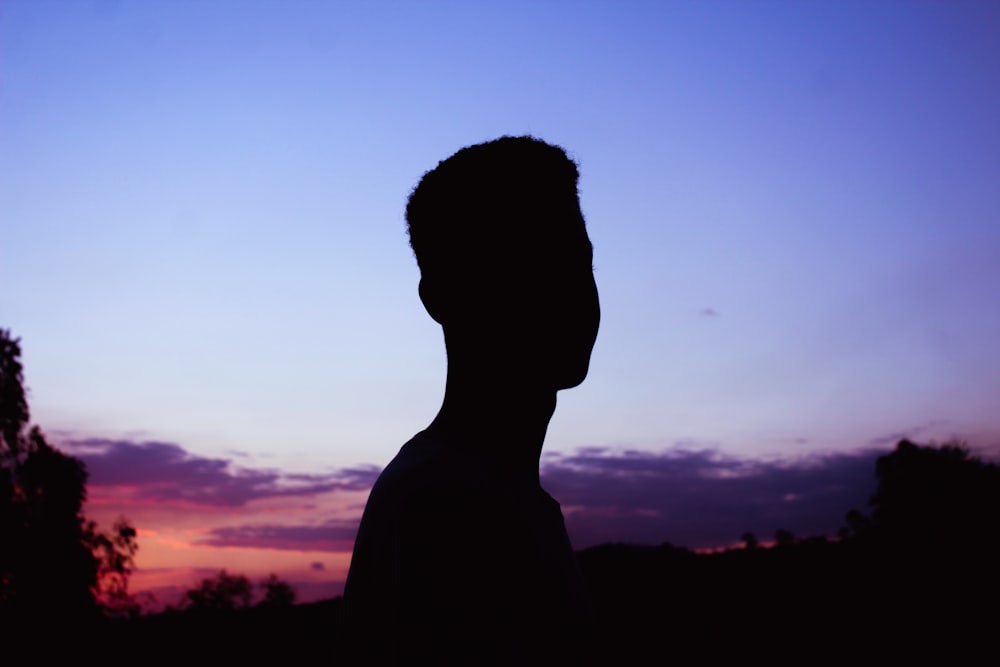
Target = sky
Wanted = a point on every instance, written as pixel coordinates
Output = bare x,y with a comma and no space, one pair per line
793,207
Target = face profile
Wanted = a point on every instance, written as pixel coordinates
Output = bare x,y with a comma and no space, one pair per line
559,318
460,551
573,319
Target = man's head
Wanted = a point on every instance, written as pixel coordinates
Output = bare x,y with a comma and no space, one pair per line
506,264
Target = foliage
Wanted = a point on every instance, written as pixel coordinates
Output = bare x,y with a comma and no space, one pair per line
933,498
223,592
47,567
228,592
783,538
277,593
53,562
13,404
858,525
116,558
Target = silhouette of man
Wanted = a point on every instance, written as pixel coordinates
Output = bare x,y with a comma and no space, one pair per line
461,556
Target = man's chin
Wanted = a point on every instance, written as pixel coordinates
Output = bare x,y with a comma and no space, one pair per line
572,379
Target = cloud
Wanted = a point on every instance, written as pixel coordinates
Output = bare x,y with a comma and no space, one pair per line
317,566
688,496
165,472
703,498
694,498
335,535
708,312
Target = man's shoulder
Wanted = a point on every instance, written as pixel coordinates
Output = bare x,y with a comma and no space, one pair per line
426,468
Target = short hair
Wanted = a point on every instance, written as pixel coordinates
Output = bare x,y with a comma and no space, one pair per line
491,204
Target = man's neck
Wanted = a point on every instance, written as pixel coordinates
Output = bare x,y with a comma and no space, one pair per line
497,416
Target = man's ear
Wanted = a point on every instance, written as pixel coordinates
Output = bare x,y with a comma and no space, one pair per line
432,298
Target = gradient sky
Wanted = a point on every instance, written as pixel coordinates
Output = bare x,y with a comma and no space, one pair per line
794,206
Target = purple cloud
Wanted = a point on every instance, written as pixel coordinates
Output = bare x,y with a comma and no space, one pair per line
165,471
694,498
334,535
690,497
702,498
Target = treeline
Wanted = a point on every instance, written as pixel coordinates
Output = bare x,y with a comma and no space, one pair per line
914,575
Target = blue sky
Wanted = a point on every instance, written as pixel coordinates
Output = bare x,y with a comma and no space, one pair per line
793,206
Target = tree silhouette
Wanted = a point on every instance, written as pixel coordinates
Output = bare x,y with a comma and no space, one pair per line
784,538
277,593
937,498
223,592
52,561
13,405
228,592
116,560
